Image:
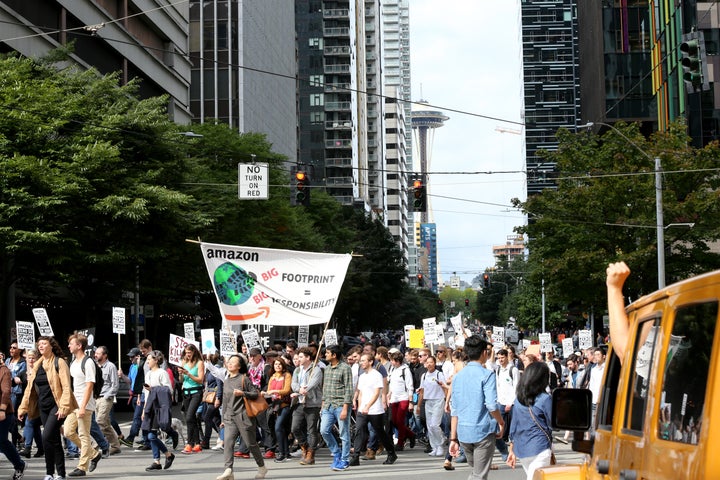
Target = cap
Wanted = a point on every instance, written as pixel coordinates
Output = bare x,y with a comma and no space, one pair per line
254,351
134,352
393,350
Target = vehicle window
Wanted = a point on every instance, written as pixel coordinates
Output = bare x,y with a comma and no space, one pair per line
685,381
608,396
646,341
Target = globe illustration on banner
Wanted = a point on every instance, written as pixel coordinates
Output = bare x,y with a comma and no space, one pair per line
233,284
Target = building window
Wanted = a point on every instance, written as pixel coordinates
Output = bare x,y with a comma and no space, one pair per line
316,100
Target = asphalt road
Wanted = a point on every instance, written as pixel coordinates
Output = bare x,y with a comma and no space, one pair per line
131,464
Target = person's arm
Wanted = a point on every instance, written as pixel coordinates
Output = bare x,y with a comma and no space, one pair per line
617,273
113,380
454,447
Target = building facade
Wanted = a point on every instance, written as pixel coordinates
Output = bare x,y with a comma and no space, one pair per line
144,40
244,66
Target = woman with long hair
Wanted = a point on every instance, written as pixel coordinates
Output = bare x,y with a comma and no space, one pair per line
193,372
32,430
530,431
278,388
157,409
235,419
49,395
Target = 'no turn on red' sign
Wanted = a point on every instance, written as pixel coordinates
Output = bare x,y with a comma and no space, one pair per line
253,181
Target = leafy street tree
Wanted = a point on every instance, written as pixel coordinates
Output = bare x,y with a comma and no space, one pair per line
604,210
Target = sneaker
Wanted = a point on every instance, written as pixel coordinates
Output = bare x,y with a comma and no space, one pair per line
19,472
72,455
57,477
262,471
391,457
188,449
126,442
142,448
197,448
282,458
218,446
95,460
39,454
297,454
169,461
448,465
412,442
25,452
269,454
77,473
153,466
341,465
115,450
336,460
428,449
241,455
48,477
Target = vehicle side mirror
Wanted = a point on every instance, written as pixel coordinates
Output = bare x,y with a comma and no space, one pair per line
571,409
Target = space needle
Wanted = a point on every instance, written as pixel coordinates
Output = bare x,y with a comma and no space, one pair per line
424,123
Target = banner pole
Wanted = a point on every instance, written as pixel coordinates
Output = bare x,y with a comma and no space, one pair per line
322,339
119,353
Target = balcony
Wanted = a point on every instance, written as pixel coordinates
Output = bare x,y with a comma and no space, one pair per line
336,32
338,143
338,125
339,182
337,50
338,162
337,106
343,68
336,13
333,87
346,200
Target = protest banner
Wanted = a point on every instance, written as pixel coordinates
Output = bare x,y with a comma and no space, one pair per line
274,287
177,348
207,340
25,332
43,322
227,343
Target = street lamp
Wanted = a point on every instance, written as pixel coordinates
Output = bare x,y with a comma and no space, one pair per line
659,223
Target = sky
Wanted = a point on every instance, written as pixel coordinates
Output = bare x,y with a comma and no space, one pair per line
466,56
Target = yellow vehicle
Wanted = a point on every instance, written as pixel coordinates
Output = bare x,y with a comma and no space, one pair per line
658,415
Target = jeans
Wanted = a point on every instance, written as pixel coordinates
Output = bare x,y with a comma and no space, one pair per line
399,413
305,425
328,417
6,445
157,445
281,433
31,432
136,421
500,443
97,434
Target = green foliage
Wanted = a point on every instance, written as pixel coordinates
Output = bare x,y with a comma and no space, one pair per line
604,210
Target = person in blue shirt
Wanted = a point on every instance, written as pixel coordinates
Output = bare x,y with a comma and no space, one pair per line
475,422
530,431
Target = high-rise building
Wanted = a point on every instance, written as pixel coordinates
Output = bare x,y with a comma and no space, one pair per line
243,67
428,242
144,40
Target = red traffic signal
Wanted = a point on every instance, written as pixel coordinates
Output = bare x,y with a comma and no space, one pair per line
420,279
467,302
300,194
486,280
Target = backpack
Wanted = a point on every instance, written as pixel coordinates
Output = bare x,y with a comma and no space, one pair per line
99,381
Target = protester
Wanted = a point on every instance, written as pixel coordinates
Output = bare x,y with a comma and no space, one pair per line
78,423
105,403
32,430
18,371
138,388
337,402
475,421
307,384
459,358
193,373
157,411
49,392
211,416
235,418
400,384
432,398
530,431
278,389
7,419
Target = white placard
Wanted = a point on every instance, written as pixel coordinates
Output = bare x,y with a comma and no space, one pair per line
227,343
451,342
684,404
189,330
457,324
177,347
303,335
407,329
499,331
207,340
545,342
440,334
253,181
430,331
118,320
251,337
498,341
25,335
585,339
567,345
331,337
526,343
43,322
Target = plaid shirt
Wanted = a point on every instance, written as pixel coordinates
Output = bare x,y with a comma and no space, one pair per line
337,385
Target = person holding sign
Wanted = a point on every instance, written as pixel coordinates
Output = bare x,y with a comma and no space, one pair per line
193,375
49,392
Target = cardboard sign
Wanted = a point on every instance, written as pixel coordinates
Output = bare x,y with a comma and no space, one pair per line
585,339
567,345
207,340
118,320
430,330
43,322
25,335
189,330
407,329
330,338
545,342
457,323
177,347
417,338
227,343
251,337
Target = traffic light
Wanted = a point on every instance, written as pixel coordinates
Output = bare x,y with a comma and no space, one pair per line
440,302
467,302
418,199
486,280
300,188
419,279
694,62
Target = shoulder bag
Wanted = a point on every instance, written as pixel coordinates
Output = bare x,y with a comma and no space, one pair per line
553,460
255,407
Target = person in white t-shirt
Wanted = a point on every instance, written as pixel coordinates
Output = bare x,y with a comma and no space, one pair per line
370,409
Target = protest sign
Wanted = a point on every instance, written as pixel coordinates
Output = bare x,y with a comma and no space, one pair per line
331,337
303,335
118,320
567,345
406,330
227,343
207,340
585,339
177,348
545,342
251,337
417,338
25,335
430,331
43,322
189,330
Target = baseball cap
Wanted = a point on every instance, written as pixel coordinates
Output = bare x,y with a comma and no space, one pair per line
393,350
134,352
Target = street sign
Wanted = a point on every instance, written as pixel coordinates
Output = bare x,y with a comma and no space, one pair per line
253,181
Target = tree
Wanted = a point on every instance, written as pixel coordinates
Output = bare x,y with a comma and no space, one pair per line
604,210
